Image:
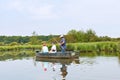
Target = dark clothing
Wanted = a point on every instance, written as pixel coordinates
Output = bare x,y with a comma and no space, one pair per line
64,71
63,45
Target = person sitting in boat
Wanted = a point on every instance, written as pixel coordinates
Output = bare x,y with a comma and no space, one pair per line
44,48
53,48
62,44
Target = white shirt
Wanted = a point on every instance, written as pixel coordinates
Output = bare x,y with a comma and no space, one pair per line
44,49
53,49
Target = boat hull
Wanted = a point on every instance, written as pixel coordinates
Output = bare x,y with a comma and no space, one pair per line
58,55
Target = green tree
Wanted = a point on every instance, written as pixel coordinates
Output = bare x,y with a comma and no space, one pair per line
90,35
72,36
34,39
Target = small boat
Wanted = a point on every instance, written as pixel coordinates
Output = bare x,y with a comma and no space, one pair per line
58,55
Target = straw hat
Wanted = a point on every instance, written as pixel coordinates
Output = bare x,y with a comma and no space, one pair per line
61,36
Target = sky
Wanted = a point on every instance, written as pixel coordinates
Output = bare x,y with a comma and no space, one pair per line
45,17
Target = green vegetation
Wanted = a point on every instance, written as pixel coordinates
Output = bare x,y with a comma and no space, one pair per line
95,46
19,47
83,41
72,36
82,47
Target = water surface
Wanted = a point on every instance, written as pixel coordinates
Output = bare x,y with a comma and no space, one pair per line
86,68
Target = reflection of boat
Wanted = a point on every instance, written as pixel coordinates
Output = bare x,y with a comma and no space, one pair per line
58,55
61,61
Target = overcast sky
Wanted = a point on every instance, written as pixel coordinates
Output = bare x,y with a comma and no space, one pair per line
22,17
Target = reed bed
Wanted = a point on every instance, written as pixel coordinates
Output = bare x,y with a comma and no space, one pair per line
83,47
95,47
19,47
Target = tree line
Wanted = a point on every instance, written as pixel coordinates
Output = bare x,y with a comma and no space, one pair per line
73,36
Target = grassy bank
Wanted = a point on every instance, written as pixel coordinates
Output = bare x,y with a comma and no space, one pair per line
95,47
19,47
82,47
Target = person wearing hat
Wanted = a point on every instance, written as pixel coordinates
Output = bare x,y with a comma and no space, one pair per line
62,44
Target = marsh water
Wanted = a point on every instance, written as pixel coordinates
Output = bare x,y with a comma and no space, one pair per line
89,66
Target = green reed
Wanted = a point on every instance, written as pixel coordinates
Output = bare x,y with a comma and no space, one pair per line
83,47
96,46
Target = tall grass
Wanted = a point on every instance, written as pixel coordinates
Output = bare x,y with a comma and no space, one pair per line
96,46
83,47
19,47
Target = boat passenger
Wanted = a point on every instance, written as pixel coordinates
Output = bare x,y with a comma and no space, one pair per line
44,48
53,48
62,44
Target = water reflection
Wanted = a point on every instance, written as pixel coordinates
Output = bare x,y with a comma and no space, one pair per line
64,71
102,66
45,65
53,66
63,65
5,55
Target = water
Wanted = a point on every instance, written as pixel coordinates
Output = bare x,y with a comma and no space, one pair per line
86,68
